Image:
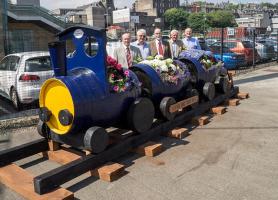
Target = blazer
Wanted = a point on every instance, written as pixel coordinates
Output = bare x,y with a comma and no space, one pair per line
120,54
179,44
166,47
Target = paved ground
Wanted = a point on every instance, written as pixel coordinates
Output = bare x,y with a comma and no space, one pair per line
233,158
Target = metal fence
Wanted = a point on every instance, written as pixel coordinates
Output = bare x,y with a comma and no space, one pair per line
22,75
255,45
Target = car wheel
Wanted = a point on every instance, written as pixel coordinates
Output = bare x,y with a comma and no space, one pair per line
15,100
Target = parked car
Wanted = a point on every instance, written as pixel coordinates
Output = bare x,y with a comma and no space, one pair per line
22,74
266,51
241,47
230,59
210,41
269,42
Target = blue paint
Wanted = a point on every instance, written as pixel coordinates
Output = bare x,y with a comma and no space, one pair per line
203,75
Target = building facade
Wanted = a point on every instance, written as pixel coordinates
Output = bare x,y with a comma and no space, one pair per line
262,20
3,24
28,2
95,16
155,7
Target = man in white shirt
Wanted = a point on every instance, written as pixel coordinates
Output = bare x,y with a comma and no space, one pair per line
190,42
141,44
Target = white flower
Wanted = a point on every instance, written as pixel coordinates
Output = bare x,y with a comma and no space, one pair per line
146,62
164,68
174,68
169,61
159,57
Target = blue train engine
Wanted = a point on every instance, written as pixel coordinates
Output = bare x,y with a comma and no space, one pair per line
78,102
209,76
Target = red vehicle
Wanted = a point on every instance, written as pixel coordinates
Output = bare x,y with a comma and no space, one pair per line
241,47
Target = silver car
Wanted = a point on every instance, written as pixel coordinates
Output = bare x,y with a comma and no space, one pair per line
22,74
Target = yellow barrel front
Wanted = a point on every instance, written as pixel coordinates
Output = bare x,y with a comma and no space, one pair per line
55,96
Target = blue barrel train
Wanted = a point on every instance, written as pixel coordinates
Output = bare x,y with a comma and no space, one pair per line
87,95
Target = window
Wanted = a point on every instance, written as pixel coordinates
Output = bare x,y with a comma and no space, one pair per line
13,63
230,44
247,44
38,64
21,40
4,65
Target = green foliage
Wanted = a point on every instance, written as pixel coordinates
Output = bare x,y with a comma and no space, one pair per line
176,18
221,18
232,6
198,22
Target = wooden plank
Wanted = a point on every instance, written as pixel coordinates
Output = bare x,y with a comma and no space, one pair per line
150,149
177,133
232,102
109,172
200,120
182,104
232,72
219,110
53,146
62,156
21,182
243,95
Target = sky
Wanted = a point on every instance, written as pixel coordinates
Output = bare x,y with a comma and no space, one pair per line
53,4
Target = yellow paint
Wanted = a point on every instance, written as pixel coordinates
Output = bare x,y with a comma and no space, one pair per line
55,96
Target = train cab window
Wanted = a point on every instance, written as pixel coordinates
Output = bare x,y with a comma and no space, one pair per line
91,46
70,48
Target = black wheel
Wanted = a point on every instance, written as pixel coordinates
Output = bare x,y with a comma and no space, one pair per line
194,92
15,99
140,115
224,85
96,139
209,90
43,129
165,104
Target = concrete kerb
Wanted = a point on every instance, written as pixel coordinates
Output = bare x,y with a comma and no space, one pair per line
257,67
18,122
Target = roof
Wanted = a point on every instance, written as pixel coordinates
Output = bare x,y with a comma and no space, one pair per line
73,28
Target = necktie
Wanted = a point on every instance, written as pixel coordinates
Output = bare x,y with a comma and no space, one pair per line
160,49
128,57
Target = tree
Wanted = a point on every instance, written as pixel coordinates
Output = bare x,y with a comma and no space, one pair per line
176,18
198,22
221,18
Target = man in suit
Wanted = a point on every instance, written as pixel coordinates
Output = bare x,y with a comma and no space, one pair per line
125,53
176,45
159,47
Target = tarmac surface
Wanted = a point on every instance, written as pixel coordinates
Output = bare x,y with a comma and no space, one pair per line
234,157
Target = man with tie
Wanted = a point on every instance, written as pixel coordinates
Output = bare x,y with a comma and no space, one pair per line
159,47
176,45
190,42
125,53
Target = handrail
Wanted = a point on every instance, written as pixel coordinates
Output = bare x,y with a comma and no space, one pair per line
32,10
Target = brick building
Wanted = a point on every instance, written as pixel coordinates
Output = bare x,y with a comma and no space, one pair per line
155,7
